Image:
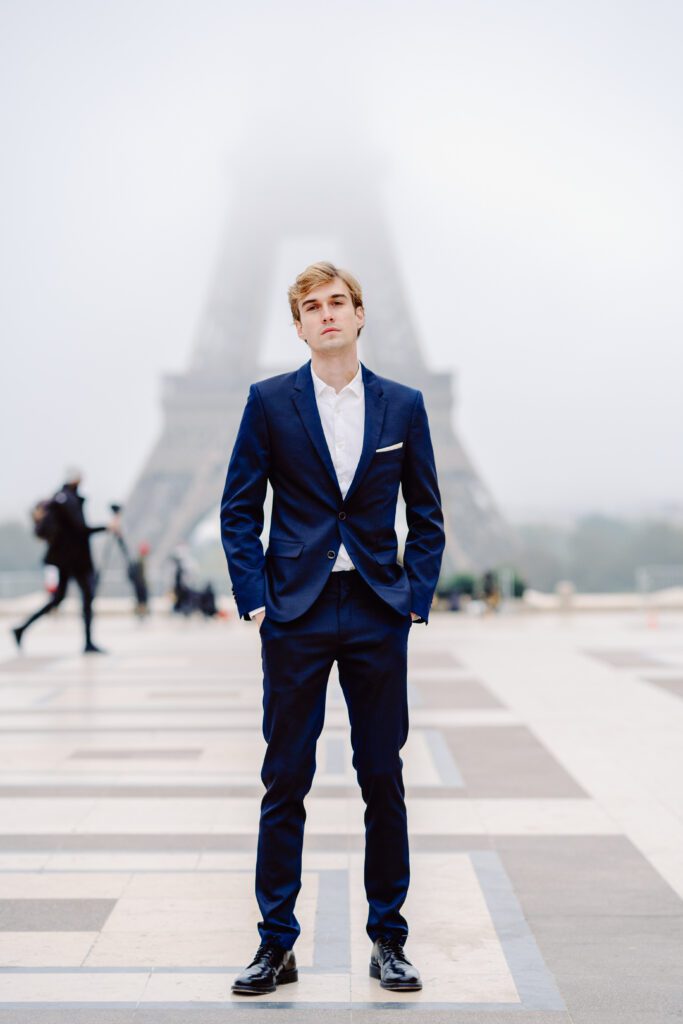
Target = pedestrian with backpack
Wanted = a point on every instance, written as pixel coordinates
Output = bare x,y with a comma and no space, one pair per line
61,523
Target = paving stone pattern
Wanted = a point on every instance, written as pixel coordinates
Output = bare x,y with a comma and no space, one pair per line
544,775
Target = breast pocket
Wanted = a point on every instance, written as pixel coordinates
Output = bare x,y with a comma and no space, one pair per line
388,450
386,465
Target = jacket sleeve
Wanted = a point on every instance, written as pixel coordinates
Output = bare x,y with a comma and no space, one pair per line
242,506
72,516
426,537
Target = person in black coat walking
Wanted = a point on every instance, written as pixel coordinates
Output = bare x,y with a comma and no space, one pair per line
69,550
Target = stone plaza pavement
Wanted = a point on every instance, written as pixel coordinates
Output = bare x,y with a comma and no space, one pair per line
544,775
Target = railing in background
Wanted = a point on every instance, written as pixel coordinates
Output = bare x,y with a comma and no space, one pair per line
17,583
114,583
651,580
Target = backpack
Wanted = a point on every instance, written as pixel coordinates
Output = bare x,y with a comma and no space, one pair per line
46,524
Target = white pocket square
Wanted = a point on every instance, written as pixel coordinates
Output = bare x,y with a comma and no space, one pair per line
390,447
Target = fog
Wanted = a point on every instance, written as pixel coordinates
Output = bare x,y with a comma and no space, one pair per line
530,158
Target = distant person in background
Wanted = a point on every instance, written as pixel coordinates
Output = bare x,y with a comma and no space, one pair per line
182,594
137,575
491,591
68,538
187,599
207,602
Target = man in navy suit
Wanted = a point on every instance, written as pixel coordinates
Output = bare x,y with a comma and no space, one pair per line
336,442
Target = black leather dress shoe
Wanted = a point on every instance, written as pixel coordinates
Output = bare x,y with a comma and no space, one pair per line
272,966
389,963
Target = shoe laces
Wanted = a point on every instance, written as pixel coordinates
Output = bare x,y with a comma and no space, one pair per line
267,951
393,944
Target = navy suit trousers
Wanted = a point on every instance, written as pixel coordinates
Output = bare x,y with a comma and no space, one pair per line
349,624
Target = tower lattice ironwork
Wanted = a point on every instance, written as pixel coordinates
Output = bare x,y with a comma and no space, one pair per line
182,479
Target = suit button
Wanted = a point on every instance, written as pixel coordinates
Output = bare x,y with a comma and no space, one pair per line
342,515
331,554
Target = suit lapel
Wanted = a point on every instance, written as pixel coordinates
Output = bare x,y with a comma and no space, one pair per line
303,397
375,407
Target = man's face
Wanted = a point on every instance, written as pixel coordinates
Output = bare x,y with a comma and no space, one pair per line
327,319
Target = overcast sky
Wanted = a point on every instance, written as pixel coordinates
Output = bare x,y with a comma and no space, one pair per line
532,155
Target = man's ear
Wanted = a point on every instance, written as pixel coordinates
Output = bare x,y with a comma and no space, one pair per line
360,316
299,330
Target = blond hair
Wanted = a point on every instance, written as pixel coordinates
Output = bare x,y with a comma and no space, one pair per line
321,273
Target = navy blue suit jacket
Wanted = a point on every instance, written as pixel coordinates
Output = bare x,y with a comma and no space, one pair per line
281,440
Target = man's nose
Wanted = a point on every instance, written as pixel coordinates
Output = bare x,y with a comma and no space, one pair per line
327,312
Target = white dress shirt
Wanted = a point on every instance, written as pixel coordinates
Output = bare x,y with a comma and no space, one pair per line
343,418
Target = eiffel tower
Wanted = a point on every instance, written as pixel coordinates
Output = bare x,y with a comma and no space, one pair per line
182,480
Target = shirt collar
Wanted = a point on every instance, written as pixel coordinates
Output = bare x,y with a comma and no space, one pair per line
355,385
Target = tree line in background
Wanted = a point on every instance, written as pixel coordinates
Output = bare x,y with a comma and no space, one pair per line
597,553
